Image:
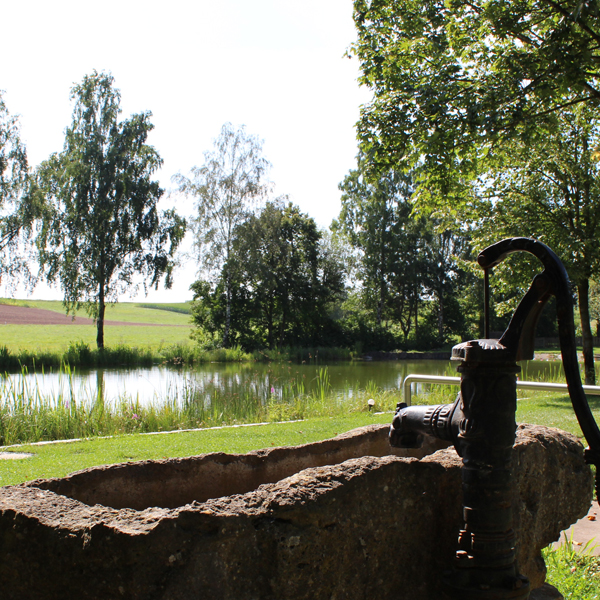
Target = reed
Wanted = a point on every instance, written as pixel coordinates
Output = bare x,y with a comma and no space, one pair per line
80,354
27,415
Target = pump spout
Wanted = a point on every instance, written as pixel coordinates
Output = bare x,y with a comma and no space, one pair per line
412,423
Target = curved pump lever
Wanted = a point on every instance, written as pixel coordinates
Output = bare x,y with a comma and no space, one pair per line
519,336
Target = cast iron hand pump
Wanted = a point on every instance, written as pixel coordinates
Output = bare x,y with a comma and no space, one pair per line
481,424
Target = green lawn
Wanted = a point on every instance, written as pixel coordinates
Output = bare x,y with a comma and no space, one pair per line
59,459
175,327
132,312
54,338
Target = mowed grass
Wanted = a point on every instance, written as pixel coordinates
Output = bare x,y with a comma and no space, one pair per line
129,312
553,410
55,338
60,459
174,327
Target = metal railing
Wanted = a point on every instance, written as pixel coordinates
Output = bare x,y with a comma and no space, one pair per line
593,390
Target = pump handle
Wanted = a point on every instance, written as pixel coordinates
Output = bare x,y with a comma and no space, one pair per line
520,332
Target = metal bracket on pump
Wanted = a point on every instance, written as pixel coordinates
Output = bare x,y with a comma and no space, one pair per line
481,424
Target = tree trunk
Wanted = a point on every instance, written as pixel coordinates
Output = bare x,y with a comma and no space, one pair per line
417,317
100,320
270,326
586,332
380,303
382,285
440,317
227,310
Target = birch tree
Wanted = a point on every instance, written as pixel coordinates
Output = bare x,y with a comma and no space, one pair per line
100,229
227,187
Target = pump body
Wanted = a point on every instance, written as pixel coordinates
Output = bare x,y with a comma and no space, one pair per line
481,425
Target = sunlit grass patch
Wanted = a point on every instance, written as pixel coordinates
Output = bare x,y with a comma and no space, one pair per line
132,312
56,338
58,460
574,571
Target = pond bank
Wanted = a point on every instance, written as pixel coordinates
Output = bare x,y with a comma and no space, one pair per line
441,355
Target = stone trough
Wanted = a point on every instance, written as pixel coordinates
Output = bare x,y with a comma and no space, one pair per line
340,519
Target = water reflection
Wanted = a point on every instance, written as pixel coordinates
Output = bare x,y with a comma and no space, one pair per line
261,381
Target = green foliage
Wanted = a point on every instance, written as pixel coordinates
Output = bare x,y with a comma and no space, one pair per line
16,211
575,572
376,218
404,260
281,292
78,354
550,190
492,106
226,188
100,226
451,79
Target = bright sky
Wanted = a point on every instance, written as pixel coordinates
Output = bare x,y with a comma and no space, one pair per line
275,66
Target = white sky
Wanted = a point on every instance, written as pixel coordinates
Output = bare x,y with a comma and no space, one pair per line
276,66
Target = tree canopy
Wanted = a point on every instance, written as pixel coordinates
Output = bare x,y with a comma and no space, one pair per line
450,79
284,283
229,184
15,212
482,100
551,191
403,257
101,227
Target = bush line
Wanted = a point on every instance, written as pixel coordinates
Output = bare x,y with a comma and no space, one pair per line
79,354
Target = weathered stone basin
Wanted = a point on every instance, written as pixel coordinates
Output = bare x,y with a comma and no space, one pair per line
340,519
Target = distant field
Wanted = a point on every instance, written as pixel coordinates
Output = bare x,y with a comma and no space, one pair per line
173,318
134,312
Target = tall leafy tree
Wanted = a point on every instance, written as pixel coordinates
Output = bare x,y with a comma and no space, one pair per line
375,216
462,87
284,282
451,79
377,219
444,252
16,209
551,191
405,257
229,184
101,228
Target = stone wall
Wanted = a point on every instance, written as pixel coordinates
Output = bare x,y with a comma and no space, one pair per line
374,526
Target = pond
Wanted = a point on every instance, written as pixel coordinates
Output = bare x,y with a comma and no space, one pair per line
259,380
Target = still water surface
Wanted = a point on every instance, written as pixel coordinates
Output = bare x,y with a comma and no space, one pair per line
154,385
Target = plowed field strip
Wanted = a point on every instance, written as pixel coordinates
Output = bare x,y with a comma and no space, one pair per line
21,315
